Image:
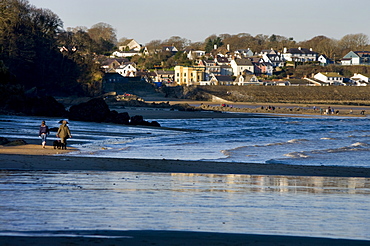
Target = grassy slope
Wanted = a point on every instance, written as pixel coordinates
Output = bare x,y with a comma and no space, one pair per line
346,95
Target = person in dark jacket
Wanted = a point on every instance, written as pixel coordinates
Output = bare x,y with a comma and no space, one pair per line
64,133
43,133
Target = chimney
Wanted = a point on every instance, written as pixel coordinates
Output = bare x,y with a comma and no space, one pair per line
215,47
228,47
285,50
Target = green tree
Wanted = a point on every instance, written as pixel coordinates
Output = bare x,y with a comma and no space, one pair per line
212,42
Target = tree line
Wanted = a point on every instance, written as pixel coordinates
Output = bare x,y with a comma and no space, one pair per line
35,50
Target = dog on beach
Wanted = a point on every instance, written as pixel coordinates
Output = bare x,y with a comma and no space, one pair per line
57,144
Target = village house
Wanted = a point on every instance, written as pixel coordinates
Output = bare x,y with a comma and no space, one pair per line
360,80
127,70
130,45
324,60
356,58
123,54
189,75
268,52
112,63
221,80
330,78
241,66
243,53
226,70
164,76
211,67
222,61
276,60
194,54
171,49
247,79
263,68
299,55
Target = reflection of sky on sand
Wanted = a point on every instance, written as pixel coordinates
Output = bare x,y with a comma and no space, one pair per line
283,205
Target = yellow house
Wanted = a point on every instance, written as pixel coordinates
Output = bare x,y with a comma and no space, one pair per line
189,75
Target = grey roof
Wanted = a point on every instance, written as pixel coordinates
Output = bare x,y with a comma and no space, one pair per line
243,62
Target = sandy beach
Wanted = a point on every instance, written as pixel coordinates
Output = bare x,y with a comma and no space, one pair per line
33,157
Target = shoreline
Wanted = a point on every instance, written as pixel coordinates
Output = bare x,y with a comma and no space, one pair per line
208,109
162,237
32,158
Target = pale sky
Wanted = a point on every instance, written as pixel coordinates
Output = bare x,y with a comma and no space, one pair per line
147,20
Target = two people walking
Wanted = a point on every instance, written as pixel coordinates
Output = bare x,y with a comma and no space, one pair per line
63,133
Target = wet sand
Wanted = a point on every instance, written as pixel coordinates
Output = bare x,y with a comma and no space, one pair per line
163,238
33,157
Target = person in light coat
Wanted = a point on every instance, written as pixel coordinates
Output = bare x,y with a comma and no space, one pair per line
64,133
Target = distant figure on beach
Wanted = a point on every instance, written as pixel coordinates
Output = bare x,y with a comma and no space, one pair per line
64,133
43,133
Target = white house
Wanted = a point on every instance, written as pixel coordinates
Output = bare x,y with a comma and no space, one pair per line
241,53
324,60
247,79
122,54
276,60
241,66
356,58
130,45
127,70
330,78
299,54
193,54
360,80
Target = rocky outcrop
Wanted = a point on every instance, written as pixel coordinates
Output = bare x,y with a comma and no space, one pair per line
139,120
96,110
3,141
38,106
6,142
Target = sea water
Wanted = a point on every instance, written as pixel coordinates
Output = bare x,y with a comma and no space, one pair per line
317,140
40,201
332,207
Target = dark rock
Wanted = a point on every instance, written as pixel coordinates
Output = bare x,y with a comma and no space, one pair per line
118,118
137,120
3,141
95,110
39,106
16,142
155,123
122,118
46,106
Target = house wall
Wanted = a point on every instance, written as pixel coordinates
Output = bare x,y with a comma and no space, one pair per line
188,75
238,69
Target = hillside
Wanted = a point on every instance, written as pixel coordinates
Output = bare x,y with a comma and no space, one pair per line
345,95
